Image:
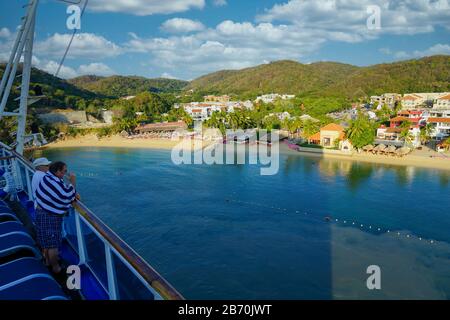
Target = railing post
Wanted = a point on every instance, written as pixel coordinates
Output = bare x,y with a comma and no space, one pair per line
29,187
80,239
111,272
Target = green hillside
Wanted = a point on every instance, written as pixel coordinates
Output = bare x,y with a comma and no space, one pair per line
58,92
330,79
120,86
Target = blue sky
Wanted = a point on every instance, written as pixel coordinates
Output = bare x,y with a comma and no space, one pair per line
185,39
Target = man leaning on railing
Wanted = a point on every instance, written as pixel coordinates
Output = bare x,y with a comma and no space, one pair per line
53,198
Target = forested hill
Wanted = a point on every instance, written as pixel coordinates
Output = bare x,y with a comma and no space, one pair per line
58,92
330,78
120,86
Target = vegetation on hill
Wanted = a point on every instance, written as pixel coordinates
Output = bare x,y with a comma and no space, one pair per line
328,79
59,94
121,86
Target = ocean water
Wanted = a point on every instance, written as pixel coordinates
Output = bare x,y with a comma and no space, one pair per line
309,232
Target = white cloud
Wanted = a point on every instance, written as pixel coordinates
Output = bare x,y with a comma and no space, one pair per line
166,75
84,45
180,25
96,68
52,66
437,49
66,72
145,7
230,45
5,33
346,20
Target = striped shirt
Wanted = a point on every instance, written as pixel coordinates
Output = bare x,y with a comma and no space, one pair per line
53,195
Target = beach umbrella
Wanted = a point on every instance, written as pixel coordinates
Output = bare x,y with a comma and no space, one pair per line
380,148
368,148
391,149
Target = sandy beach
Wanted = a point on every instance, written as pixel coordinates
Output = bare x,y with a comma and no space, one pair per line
421,161
115,142
424,161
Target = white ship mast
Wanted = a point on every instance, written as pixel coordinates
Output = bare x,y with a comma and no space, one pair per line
23,46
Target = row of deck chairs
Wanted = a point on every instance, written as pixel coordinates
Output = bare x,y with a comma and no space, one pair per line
387,150
22,274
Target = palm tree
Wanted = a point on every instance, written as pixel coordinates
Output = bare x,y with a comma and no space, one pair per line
425,133
406,136
309,128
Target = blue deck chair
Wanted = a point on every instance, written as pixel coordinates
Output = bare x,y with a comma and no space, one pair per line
20,268
15,227
42,287
14,242
5,217
5,209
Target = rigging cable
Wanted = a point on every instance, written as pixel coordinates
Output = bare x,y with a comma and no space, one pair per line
73,35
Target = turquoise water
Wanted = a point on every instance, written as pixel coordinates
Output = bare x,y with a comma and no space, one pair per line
226,232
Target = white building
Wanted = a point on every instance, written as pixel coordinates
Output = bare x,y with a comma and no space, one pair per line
128,98
441,127
442,102
388,99
201,111
391,136
426,99
270,98
412,101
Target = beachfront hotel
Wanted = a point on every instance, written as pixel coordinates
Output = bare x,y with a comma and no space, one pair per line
202,111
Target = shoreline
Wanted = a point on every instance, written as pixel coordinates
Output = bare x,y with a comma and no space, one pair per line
408,161
120,142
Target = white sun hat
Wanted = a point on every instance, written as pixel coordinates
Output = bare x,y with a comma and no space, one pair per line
41,162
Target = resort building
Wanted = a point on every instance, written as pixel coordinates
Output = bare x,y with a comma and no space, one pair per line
392,136
426,100
414,116
442,102
412,101
202,111
441,127
222,99
161,127
270,98
438,113
328,136
280,115
389,99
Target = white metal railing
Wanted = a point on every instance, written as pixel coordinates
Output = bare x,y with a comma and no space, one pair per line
114,247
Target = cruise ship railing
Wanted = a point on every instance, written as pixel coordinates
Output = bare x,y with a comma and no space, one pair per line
122,273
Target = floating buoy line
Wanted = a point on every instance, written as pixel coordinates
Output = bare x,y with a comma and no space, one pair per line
330,219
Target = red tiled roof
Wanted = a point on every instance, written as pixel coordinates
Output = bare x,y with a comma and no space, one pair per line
447,97
332,127
410,98
397,119
394,130
436,120
315,137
